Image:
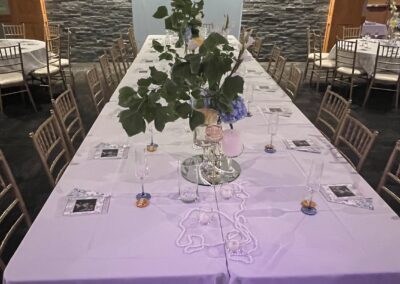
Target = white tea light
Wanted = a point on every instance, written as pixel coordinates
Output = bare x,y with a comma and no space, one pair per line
204,218
226,192
233,245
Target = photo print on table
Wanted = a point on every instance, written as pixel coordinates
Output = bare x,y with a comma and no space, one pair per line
301,143
109,153
341,191
84,205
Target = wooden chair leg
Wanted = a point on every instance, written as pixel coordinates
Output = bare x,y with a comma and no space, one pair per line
30,96
306,70
368,93
351,88
50,88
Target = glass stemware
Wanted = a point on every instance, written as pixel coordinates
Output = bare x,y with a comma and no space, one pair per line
152,147
313,185
249,97
142,170
188,190
273,124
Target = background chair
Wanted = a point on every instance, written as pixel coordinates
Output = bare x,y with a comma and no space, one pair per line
351,32
280,68
116,60
66,64
14,31
52,72
355,139
386,72
69,119
132,42
52,149
256,48
345,65
107,73
120,44
293,83
273,57
12,74
391,174
96,90
13,211
321,67
52,31
331,114
311,52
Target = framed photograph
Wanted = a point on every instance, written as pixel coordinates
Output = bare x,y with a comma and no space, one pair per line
86,205
339,192
110,151
301,143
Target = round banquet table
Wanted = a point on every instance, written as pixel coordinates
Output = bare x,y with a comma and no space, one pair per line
366,54
33,52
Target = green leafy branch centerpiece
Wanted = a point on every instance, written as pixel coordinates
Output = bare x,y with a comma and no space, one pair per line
207,74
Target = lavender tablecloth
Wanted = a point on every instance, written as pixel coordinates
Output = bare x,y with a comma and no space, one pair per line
340,244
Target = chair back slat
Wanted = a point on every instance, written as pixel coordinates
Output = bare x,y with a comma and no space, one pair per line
387,60
351,32
346,52
14,31
107,73
11,60
293,82
96,90
332,112
52,148
256,47
275,53
69,119
280,68
14,211
357,138
391,175
132,42
120,44
116,60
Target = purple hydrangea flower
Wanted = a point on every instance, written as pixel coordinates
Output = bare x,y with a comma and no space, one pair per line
239,111
188,34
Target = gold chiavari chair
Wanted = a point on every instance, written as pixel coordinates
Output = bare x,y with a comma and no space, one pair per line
116,60
14,31
391,174
280,68
69,119
13,212
107,73
66,64
52,149
120,44
345,64
12,73
293,82
355,139
386,72
321,67
96,90
256,48
332,112
273,57
351,32
132,42
311,51
52,72
52,31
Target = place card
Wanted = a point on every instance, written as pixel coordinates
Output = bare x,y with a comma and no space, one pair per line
345,194
110,151
282,111
305,145
266,88
85,202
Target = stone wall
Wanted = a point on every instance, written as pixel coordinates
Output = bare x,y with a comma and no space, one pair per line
284,22
95,23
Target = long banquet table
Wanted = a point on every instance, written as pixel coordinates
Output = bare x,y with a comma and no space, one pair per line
341,244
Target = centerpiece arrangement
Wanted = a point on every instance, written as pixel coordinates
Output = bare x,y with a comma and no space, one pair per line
202,81
393,22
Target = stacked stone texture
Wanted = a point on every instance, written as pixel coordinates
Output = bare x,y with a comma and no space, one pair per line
284,22
95,23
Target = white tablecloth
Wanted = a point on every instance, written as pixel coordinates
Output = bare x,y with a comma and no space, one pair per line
340,244
374,29
33,52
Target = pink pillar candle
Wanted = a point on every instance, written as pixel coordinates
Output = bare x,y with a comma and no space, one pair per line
231,143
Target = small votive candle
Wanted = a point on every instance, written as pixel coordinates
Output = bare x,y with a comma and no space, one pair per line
204,218
232,143
233,245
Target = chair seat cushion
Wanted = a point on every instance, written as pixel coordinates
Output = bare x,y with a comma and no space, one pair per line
387,77
325,63
64,62
8,79
348,71
324,55
43,71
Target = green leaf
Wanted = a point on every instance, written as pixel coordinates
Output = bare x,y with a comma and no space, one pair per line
158,77
183,110
166,56
132,122
157,46
195,61
213,40
144,82
232,86
161,12
170,91
127,96
196,119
